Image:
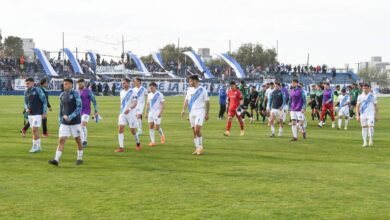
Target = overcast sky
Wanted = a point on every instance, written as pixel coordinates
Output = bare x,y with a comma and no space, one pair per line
335,32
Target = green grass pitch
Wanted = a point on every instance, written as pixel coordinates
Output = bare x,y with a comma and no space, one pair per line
327,176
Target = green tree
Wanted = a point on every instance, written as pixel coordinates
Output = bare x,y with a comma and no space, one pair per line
254,54
374,74
13,47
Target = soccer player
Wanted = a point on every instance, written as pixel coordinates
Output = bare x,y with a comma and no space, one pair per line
198,103
70,122
367,114
286,96
260,100
43,87
343,101
245,94
253,97
327,104
312,102
268,92
141,94
235,99
154,109
319,97
276,104
35,103
297,108
87,97
127,115
222,101
354,93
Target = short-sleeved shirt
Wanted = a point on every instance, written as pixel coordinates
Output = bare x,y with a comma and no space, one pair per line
127,97
343,100
155,101
367,103
140,93
234,97
196,98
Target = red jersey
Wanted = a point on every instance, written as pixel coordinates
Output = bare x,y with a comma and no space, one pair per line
234,97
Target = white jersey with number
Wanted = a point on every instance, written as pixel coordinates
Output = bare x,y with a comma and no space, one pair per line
155,101
127,97
196,98
141,92
367,104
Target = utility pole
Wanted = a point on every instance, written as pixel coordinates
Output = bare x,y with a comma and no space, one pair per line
308,59
63,48
123,49
178,54
230,47
277,50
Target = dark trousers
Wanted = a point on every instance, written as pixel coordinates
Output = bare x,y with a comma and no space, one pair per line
44,126
222,110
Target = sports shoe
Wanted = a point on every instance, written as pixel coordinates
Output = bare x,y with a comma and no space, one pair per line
162,139
333,125
365,144
345,128
23,132
227,133
119,150
304,135
280,134
45,135
199,151
151,144
84,144
294,139
195,152
272,135
242,133
53,162
34,150
138,147
370,142
79,162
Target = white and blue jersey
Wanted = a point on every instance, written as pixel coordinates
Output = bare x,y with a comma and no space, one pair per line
140,92
196,98
155,101
127,97
367,104
343,100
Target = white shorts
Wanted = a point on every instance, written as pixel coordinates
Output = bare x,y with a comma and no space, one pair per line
129,119
35,120
277,113
197,117
344,111
85,118
297,115
69,130
153,118
367,120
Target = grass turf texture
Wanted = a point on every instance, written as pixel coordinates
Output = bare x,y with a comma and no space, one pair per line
327,176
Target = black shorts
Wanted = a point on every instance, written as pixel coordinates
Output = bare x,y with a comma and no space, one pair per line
353,103
313,105
253,106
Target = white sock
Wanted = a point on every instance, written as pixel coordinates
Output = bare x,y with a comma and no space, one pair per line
294,131
136,137
370,132
280,130
196,142
364,134
121,138
160,131
273,129
151,134
346,122
38,143
84,136
139,125
340,122
58,155
200,142
79,154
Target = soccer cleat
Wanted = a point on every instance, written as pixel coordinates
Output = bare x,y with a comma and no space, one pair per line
162,139
34,150
304,135
53,162
242,133
138,147
345,128
23,132
227,133
45,135
199,151
272,135
79,162
364,145
151,144
370,142
294,139
280,134
195,152
333,125
119,150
